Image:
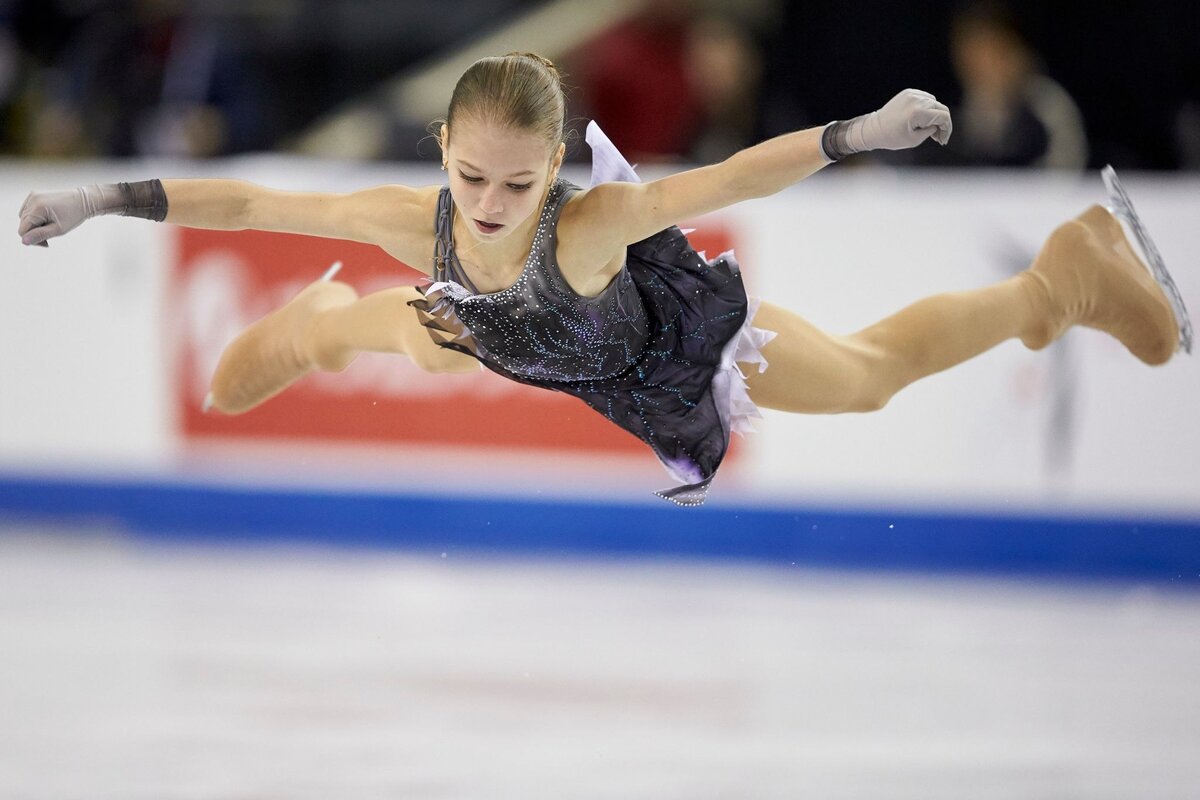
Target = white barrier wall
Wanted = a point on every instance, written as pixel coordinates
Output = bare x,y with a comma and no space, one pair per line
88,350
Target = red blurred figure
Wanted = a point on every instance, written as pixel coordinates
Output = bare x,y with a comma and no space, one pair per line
635,78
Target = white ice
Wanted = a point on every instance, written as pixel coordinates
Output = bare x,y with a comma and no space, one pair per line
134,671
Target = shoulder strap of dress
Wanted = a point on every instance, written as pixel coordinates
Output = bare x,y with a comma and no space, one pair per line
445,262
443,247
565,192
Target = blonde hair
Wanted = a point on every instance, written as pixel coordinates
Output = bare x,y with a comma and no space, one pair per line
519,90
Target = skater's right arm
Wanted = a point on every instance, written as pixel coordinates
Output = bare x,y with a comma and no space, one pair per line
368,215
397,218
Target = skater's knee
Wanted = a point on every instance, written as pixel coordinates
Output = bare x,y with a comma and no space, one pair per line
865,392
427,358
872,398
877,374
432,357
451,361
869,394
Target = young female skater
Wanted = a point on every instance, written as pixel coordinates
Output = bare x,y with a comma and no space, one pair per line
596,293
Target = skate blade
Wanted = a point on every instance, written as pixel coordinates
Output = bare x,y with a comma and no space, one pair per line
1122,208
333,270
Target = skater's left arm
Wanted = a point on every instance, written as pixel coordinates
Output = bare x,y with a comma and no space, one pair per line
632,211
638,210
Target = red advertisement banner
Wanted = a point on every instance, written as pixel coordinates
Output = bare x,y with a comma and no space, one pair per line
224,280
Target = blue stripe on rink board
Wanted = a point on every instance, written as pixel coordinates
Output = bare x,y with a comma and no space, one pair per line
878,538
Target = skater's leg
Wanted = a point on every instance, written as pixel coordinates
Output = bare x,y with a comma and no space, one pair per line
1086,274
384,322
818,373
325,327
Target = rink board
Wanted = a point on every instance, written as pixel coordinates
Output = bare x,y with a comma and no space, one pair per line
1077,460
1143,548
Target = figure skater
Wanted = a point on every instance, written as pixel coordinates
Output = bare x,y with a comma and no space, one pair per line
596,292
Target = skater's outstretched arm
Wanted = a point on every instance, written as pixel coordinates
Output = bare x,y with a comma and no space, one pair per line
394,217
366,215
632,211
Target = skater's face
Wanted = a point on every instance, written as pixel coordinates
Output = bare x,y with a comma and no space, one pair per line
499,176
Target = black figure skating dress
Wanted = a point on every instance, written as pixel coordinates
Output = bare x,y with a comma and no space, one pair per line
656,352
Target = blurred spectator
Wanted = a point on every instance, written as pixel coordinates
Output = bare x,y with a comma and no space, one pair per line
1012,115
151,78
635,83
130,77
126,77
1187,135
674,82
208,103
32,37
10,70
724,67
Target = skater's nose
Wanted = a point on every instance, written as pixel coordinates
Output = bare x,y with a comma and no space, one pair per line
491,202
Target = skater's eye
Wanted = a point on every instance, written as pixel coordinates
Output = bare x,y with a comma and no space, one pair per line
520,187
470,178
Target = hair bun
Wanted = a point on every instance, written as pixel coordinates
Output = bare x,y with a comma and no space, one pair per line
545,62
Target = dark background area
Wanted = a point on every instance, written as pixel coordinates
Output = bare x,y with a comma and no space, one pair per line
278,65
1129,66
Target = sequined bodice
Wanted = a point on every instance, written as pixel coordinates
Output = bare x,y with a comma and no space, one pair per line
539,327
656,353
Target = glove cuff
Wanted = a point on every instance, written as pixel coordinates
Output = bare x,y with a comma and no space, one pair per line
144,199
836,139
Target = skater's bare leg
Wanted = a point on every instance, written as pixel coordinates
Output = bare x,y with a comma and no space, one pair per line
814,372
383,322
1086,274
325,327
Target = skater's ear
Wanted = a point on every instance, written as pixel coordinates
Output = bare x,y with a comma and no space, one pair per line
556,161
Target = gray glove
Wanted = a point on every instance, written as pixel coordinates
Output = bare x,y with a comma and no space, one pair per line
45,215
908,119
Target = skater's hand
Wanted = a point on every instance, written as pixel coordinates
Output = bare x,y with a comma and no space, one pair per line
48,214
908,119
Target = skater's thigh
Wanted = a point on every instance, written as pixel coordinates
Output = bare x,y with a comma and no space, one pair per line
810,371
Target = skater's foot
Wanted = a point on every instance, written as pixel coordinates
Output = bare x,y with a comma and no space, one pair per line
1089,275
279,349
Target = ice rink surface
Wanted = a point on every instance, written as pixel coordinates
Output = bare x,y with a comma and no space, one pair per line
140,671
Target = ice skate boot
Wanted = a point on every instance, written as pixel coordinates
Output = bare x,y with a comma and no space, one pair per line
1091,276
278,350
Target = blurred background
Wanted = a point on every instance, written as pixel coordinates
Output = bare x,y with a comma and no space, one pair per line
384,584
1070,87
